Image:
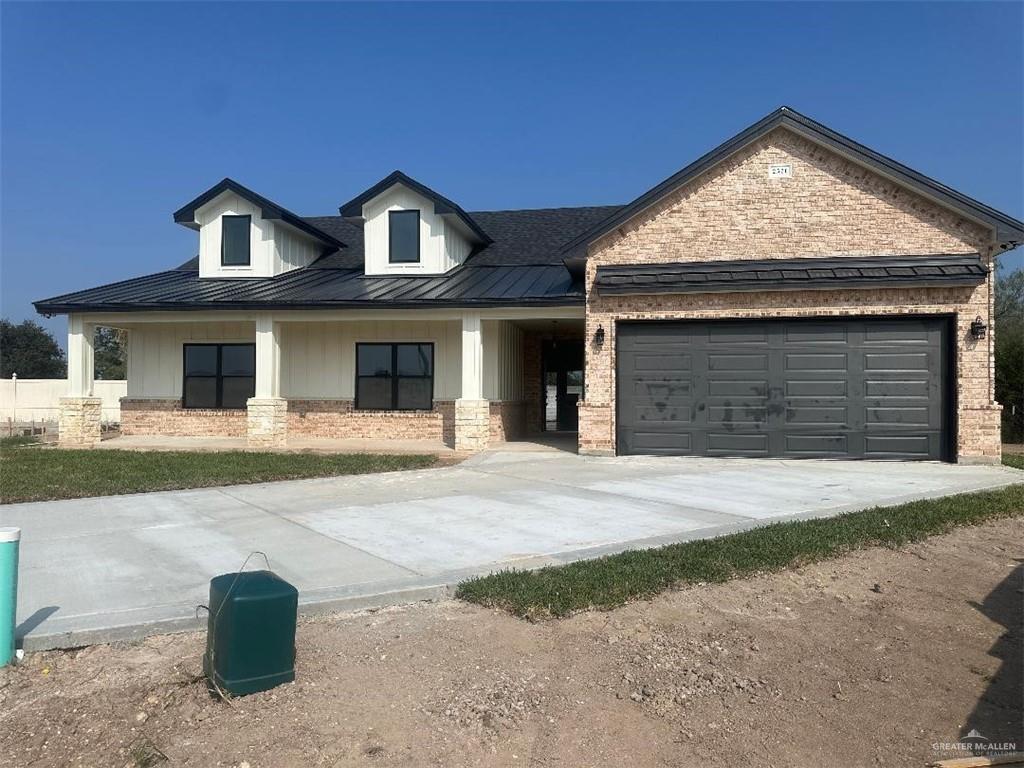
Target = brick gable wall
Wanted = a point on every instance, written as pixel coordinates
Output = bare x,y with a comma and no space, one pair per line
830,207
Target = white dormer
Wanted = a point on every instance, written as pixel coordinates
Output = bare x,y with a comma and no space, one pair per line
242,234
408,229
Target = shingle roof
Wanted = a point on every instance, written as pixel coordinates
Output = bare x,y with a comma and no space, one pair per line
523,266
793,274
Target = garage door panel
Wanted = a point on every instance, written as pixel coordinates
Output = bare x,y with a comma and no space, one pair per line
728,414
753,388
816,415
824,388
738,362
816,362
841,388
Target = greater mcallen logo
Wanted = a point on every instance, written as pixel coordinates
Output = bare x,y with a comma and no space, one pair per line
975,744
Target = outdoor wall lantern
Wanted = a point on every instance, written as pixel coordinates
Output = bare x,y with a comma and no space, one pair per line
599,336
978,328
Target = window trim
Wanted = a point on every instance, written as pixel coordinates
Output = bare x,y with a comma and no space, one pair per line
219,376
391,241
248,218
395,378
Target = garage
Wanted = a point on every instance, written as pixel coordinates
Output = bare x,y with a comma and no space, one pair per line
844,388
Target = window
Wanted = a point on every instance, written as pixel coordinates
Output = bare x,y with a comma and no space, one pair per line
219,375
395,377
234,240
404,237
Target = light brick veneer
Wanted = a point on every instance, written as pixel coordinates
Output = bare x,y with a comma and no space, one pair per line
340,419
167,417
78,421
507,420
830,207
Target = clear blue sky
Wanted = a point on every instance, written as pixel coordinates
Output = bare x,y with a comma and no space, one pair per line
114,115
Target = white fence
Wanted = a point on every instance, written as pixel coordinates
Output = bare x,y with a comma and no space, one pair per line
23,401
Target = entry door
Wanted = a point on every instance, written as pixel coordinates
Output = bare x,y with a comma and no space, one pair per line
857,388
563,384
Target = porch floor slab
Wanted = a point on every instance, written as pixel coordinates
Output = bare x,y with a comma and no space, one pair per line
102,569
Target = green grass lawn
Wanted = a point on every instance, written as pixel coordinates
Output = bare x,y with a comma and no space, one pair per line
611,581
36,473
1015,460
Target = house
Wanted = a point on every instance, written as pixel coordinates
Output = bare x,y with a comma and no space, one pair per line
791,293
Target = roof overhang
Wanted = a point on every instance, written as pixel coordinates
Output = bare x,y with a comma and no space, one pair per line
442,205
186,215
936,271
1007,232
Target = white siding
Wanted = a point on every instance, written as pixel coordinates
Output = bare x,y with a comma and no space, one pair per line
503,360
318,358
155,355
442,245
274,247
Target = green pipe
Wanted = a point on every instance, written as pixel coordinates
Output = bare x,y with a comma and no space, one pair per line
9,540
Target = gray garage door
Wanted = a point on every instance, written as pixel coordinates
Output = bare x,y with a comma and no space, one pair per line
855,388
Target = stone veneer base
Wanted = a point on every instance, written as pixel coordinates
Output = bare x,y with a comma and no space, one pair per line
79,422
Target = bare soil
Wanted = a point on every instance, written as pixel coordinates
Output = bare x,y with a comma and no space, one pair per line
864,661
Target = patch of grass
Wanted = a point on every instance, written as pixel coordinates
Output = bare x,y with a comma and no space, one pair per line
611,581
16,441
40,474
1015,460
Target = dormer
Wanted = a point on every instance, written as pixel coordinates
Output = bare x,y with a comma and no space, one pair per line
409,229
242,234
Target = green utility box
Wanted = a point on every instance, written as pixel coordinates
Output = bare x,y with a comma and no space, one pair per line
250,638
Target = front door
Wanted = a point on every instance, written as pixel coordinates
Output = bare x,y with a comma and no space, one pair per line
563,384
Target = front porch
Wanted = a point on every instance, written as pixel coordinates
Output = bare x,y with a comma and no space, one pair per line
429,381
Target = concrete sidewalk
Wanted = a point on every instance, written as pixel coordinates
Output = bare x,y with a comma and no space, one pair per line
95,570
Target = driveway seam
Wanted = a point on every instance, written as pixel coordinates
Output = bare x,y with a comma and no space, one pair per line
319,533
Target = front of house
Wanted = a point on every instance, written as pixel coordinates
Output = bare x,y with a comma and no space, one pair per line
790,294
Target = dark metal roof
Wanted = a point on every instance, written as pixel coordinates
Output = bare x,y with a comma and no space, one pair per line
1009,231
793,274
442,205
327,288
522,267
186,215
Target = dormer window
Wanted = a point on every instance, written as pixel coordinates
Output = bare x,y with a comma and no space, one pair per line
404,237
234,241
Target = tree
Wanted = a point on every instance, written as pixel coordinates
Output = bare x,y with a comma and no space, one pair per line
109,354
30,351
1009,321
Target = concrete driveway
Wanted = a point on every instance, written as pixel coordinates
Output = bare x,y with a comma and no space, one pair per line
94,570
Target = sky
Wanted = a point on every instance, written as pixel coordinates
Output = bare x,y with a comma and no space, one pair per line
112,116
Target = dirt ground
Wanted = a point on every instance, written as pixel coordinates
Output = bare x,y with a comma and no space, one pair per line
865,661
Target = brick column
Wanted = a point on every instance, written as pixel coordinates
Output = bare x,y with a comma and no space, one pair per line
472,424
472,411
267,424
79,422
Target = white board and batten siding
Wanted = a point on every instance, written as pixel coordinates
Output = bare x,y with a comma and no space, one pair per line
443,243
274,247
318,358
156,353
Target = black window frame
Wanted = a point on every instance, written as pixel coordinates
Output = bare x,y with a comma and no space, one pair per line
248,242
220,376
391,240
395,378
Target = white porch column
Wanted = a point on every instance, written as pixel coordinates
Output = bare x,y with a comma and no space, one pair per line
267,410
472,411
78,420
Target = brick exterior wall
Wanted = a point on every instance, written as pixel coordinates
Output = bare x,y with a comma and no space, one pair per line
507,420
339,419
830,207
533,392
167,417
